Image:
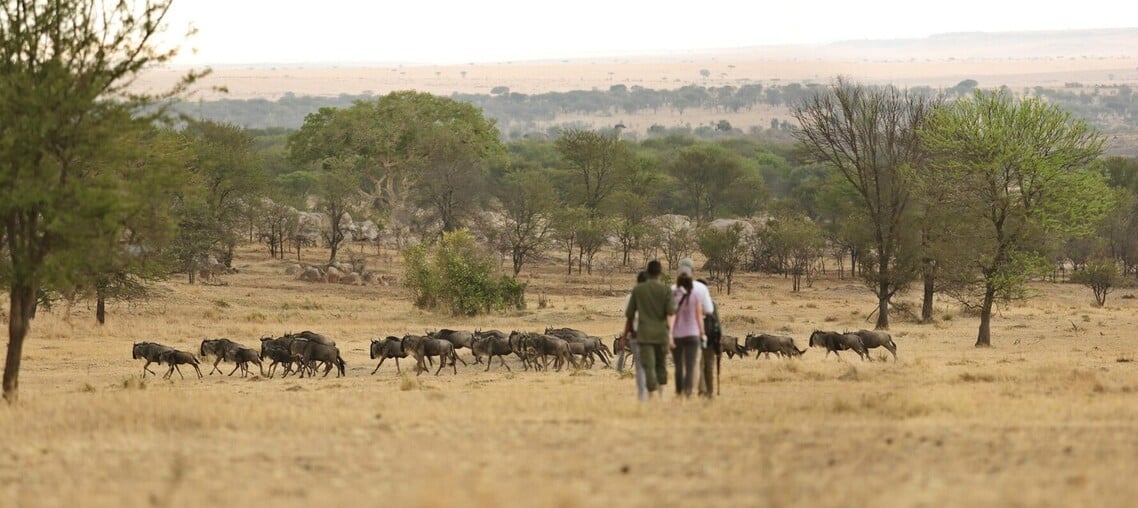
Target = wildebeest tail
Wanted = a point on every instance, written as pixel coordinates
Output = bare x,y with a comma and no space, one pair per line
343,367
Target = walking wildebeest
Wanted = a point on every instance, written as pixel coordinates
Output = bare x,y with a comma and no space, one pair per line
150,351
491,344
318,352
460,339
173,358
873,338
423,347
834,342
278,351
221,348
387,348
730,344
243,356
767,343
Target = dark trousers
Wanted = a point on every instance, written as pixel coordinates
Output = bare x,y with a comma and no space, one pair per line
684,356
654,359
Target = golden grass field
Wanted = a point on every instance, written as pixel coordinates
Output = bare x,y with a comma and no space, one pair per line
1044,418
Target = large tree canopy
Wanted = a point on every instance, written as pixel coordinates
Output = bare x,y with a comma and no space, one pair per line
65,69
869,135
415,148
1018,178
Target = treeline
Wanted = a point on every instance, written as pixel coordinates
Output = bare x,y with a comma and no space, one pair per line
1109,108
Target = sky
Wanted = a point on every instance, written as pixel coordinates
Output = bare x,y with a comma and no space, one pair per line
461,31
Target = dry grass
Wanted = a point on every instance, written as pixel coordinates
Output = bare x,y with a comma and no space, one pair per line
1044,418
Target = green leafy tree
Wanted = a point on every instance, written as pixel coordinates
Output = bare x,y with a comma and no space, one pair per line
65,69
528,201
227,171
869,135
597,164
1101,275
704,175
724,250
414,149
339,197
1017,176
457,275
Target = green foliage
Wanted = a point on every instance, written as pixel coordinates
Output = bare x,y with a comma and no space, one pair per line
1015,175
455,275
1101,275
724,251
68,179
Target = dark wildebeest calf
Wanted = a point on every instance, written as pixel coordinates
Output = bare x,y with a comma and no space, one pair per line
278,351
243,356
873,338
150,351
174,358
834,342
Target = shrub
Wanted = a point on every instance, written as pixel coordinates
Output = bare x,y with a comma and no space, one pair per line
455,275
1101,276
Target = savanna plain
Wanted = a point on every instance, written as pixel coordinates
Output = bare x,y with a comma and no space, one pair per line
1044,418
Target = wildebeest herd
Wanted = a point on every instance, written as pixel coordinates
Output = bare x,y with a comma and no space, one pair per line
306,353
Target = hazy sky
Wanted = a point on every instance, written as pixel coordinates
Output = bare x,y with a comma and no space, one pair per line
460,31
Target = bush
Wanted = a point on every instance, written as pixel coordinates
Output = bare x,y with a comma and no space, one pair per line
455,275
1101,276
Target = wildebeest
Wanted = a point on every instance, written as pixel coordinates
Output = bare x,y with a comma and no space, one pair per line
389,347
767,343
243,356
423,347
593,347
174,358
834,342
479,336
873,338
546,345
221,348
318,352
460,339
491,344
311,337
150,351
279,352
730,345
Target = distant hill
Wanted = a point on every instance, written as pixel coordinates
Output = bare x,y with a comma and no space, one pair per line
1102,43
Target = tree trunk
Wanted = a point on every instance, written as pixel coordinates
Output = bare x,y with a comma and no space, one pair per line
100,307
21,298
882,304
984,338
927,301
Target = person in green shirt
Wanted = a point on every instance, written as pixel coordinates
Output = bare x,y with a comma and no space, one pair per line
654,310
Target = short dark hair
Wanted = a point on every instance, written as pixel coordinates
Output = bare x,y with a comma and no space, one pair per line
641,277
654,268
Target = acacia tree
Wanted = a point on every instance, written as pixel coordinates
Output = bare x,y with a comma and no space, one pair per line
411,147
724,251
598,163
705,174
339,195
65,69
528,202
870,136
1018,177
